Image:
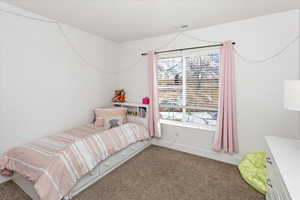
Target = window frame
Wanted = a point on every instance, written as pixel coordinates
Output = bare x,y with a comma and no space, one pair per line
184,122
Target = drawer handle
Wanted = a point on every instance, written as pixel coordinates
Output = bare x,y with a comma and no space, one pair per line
269,183
106,164
269,160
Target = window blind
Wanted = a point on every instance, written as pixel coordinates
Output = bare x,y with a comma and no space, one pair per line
188,88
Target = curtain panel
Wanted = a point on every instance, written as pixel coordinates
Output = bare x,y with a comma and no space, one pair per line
153,107
226,136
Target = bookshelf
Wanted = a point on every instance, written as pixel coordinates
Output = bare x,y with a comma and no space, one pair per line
136,112
131,104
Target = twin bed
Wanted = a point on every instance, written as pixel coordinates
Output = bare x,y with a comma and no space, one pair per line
60,166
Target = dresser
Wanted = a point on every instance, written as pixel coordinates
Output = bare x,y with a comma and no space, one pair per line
283,169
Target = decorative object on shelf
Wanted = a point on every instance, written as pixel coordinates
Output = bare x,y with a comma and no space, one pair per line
146,100
119,96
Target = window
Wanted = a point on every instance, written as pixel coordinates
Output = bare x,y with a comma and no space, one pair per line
188,87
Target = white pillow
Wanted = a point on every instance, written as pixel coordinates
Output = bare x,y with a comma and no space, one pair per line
101,113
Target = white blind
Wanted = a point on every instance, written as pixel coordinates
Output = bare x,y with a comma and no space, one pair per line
188,87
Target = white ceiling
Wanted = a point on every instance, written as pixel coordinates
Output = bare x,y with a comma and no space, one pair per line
125,20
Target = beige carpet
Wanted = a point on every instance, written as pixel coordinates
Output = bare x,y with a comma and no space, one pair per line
162,174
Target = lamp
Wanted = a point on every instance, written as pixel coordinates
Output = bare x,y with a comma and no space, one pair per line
292,95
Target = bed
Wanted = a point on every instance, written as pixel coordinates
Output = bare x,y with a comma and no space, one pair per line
60,166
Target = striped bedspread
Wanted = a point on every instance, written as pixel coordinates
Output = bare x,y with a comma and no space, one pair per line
55,163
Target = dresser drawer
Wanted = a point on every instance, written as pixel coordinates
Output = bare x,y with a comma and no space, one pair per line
272,195
283,170
276,188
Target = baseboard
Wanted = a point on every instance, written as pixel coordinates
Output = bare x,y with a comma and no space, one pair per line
4,179
227,158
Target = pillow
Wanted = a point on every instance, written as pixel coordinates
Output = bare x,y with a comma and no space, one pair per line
113,121
102,113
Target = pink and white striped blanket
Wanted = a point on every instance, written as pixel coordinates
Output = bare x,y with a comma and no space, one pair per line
55,163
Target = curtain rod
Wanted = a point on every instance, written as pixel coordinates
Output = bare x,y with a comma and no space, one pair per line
184,49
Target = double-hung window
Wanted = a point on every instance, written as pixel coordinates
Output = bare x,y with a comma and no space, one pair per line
188,88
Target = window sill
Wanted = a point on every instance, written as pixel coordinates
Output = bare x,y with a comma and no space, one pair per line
189,125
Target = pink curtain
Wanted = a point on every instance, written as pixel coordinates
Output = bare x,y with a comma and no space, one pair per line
226,135
153,113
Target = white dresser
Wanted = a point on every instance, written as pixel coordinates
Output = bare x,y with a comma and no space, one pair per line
283,169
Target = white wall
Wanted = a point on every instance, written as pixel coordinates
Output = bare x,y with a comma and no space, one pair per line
299,64
44,87
259,86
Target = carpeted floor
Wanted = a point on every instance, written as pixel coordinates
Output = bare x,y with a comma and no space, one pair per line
162,174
